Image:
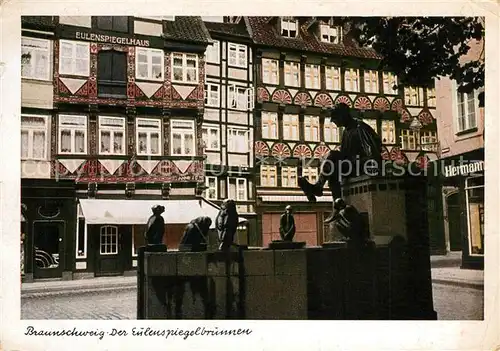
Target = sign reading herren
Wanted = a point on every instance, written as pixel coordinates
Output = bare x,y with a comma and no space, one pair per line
464,169
105,38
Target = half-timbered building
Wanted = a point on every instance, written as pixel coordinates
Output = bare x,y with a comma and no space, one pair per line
112,121
228,127
302,66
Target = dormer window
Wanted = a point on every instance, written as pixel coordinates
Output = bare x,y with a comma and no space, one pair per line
289,27
331,34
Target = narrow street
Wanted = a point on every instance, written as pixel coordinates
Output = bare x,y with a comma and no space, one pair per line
450,302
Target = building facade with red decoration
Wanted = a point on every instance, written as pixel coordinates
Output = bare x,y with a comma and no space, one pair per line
302,67
112,116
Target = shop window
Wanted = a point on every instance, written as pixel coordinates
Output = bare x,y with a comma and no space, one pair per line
138,238
474,188
81,235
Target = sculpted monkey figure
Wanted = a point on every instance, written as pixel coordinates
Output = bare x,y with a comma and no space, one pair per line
350,223
195,236
155,226
226,224
287,224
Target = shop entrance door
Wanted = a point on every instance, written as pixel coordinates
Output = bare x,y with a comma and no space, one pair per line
112,253
454,221
48,249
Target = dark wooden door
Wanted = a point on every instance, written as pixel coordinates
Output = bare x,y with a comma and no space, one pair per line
454,221
112,245
48,249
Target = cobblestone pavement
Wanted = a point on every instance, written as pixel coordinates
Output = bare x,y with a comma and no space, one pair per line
450,302
119,304
458,303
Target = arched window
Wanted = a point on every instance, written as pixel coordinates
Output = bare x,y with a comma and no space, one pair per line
109,240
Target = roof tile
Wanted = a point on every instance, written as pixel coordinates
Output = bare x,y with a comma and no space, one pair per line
265,33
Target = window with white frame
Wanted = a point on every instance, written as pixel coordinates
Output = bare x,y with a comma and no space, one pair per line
269,125
36,58
74,58
331,131
182,136
237,140
211,137
428,140
311,128
109,240
311,173
414,96
289,27
238,189
34,139
388,132
332,78
351,79
474,190
111,135
149,64
409,139
292,74
372,123
212,96
290,127
148,136
390,81
213,52
184,67
312,77
331,34
268,176
288,177
240,98
72,134
270,71
371,81
211,191
466,118
431,97
237,55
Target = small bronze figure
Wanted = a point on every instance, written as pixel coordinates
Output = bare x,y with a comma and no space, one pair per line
349,222
195,236
287,225
361,149
155,226
226,224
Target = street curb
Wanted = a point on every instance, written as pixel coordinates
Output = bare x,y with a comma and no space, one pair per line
461,284
74,291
